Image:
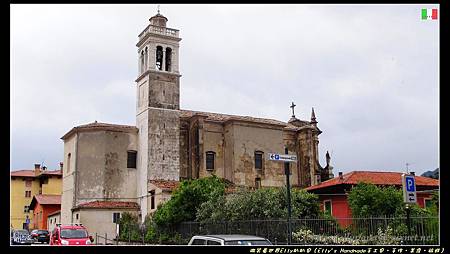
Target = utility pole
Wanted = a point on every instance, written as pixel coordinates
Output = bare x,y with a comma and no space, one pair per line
288,190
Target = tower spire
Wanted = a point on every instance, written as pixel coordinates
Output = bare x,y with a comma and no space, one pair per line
313,116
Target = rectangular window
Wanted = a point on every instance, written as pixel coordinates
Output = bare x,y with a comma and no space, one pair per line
210,160
428,203
152,199
28,194
28,183
131,159
116,217
327,206
259,160
257,183
77,216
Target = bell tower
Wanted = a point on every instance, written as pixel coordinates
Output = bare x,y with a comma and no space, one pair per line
157,106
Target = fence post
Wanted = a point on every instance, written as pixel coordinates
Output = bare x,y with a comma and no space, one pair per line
96,238
106,238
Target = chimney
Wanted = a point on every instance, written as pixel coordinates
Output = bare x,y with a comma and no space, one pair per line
44,168
37,169
61,166
412,173
341,176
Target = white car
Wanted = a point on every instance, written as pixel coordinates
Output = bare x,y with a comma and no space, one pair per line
228,240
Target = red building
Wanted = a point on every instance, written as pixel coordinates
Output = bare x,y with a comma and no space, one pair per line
334,192
42,206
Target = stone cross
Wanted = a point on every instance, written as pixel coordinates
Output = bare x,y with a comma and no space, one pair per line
158,8
292,107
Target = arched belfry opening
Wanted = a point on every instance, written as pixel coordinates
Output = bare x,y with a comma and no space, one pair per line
159,57
146,59
168,59
142,58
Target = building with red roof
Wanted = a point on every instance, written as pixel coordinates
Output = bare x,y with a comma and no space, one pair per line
102,216
27,183
334,192
42,206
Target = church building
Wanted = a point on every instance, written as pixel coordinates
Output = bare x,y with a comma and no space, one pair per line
115,168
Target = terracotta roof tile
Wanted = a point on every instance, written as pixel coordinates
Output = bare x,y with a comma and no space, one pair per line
27,173
100,126
224,117
109,204
30,173
45,199
54,213
375,177
165,184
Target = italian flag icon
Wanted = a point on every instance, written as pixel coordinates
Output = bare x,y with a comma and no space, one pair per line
429,14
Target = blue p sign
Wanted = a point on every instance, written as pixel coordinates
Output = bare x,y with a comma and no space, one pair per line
410,184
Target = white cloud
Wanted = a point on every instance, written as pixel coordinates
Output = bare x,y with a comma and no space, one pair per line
370,72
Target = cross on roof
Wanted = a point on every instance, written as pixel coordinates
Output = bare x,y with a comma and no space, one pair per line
158,8
292,107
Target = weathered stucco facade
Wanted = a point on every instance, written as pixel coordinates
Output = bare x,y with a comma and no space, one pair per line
95,166
173,144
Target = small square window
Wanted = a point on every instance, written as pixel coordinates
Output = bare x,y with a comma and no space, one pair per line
116,217
259,160
152,199
131,159
257,183
26,209
327,207
28,194
210,156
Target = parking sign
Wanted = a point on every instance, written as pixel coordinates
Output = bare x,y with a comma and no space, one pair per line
409,189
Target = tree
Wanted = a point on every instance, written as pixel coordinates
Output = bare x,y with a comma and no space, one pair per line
368,200
261,204
186,199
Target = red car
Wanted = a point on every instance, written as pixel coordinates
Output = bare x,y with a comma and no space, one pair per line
75,234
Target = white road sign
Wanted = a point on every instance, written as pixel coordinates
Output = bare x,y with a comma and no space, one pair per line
409,189
282,157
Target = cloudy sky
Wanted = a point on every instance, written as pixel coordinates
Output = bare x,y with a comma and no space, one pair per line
369,71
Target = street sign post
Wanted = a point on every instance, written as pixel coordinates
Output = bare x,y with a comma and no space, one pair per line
282,157
409,188
286,158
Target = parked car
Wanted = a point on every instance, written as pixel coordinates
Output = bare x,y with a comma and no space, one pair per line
41,235
74,234
21,237
228,240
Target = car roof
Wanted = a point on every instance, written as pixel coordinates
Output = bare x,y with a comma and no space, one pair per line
233,237
71,227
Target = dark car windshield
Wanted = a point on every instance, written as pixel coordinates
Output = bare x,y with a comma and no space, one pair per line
42,232
73,233
248,242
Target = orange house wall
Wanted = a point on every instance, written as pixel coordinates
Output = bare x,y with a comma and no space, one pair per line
45,209
340,208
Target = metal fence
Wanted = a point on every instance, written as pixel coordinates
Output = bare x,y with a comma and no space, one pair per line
379,230
340,231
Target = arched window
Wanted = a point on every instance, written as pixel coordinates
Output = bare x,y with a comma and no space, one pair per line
168,59
210,157
146,59
142,61
159,57
68,162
